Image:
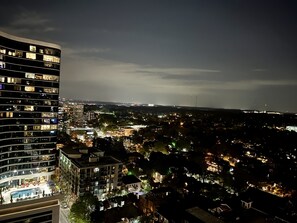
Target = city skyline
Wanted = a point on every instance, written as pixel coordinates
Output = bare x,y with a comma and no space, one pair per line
211,54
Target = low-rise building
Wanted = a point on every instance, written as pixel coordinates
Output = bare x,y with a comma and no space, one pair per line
88,170
131,183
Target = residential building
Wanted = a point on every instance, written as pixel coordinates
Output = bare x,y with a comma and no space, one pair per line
29,92
88,170
131,183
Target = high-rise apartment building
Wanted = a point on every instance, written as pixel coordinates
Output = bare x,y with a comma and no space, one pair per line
29,90
88,170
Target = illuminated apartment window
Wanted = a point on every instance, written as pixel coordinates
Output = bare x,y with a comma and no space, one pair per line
25,127
11,53
48,58
9,114
14,80
50,90
2,79
1,86
54,127
32,48
29,88
3,51
36,127
48,114
56,60
31,56
28,133
50,77
45,127
29,75
46,121
51,58
2,64
38,77
47,102
41,51
28,108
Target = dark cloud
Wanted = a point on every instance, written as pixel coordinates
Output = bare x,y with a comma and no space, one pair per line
239,54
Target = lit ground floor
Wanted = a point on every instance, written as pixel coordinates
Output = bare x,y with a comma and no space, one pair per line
26,189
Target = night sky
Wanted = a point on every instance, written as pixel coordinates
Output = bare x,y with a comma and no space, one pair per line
223,54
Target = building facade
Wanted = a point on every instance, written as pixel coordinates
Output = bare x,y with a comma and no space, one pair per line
43,210
29,94
88,170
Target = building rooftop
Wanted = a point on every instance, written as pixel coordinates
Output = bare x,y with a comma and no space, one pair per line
90,157
30,41
268,203
130,179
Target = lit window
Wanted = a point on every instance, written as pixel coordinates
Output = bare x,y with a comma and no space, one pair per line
51,58
14,80
32,48
54,120
46,121
31,56
11,53
2,79
29,75
45,127
47,102
49,127
29,88
38,77
50,90
9,114
54,127
3,51
36,127
56,60
47,58
28,108
50,77
1,86
48,114
28,133
40,50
